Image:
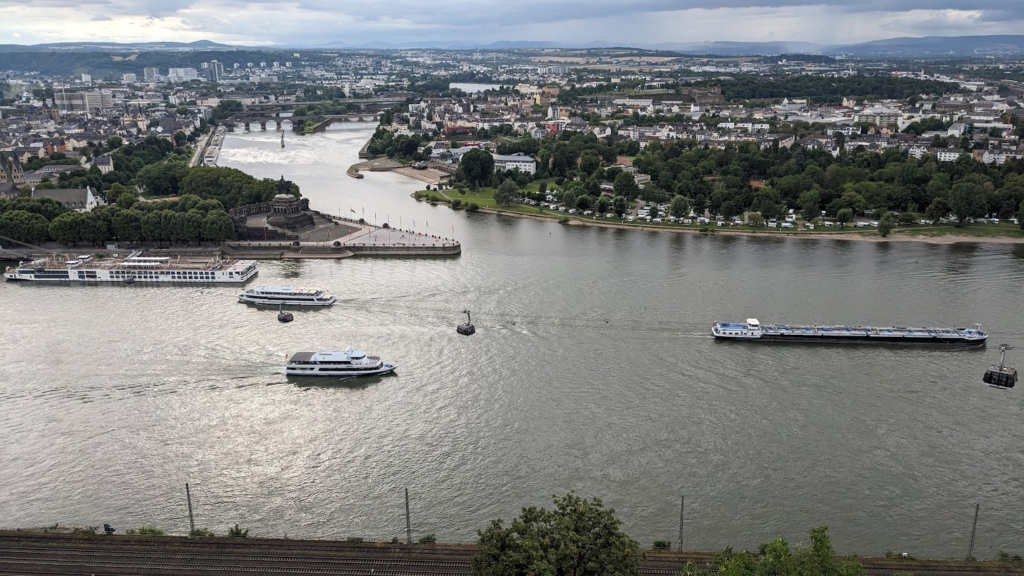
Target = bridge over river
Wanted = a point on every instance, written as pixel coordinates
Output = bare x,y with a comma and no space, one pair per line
250,120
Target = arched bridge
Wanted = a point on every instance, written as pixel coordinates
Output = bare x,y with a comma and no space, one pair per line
251,121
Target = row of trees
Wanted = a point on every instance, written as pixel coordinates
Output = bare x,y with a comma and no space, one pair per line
580,537
190,219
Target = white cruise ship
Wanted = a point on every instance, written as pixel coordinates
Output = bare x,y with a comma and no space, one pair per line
133,268
348,363
287,296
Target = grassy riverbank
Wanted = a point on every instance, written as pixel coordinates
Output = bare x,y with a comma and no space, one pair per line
944,233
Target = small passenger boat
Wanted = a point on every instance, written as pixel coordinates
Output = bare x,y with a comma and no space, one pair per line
351,362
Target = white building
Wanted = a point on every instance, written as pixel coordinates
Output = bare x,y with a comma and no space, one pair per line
77,199
515,162
182,74
948,155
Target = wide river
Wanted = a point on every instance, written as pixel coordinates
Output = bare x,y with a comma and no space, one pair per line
592,370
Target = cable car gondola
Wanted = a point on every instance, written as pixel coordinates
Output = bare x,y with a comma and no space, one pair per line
466,329
1001,376
283,316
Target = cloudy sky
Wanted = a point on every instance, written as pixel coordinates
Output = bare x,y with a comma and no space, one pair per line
630,22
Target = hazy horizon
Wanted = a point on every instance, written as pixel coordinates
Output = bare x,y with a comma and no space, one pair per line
641,23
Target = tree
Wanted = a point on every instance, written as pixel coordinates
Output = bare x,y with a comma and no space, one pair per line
654,212
625,185
755,220
1020,216
885,224
578,538
620,205
810,204
937,210
602,205
505,193
843,216
66,229
218,227
476,167
590,161
93,229
964,200
126,225
569,199
114,142
162,178
679,207
24,226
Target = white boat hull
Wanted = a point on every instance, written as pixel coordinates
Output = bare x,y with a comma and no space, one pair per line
333,371
278,301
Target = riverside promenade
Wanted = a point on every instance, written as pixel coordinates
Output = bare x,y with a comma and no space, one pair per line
89,554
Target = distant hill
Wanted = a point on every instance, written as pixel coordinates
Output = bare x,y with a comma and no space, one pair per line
1006,44
117,46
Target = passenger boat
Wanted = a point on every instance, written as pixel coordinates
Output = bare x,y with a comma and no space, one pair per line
753,330
286,295
351,362
135,267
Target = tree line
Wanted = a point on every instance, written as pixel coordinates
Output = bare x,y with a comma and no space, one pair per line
188,220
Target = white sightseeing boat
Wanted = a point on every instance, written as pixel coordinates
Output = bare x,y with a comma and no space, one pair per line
287,296
133,268
351,362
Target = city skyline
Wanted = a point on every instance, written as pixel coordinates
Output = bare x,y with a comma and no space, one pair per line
321,23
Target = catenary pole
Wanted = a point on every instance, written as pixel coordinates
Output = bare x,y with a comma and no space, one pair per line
682,507
191,520
408,523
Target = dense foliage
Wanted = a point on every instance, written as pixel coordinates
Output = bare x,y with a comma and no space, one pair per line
189,219
742,178
775,558
579,537
826,90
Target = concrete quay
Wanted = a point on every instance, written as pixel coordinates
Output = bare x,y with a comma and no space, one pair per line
365,240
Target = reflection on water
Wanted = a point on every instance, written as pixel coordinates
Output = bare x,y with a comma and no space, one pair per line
591,370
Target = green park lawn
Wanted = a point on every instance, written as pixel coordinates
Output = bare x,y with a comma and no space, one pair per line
1000,230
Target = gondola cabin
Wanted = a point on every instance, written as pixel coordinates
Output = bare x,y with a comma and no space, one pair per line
1004,377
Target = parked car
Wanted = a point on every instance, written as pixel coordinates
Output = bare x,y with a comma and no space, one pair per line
787,224
810,226
656,221
572,211
630,218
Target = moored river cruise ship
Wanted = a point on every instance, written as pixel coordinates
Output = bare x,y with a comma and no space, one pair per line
752,330
134,268
351,362
287,296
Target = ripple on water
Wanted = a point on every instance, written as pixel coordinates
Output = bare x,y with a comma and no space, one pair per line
606,383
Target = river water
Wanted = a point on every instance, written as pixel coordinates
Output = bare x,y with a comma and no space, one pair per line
591,370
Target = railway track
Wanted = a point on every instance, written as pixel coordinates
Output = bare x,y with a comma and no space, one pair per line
71,555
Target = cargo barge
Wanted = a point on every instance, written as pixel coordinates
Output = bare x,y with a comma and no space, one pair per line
753,331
